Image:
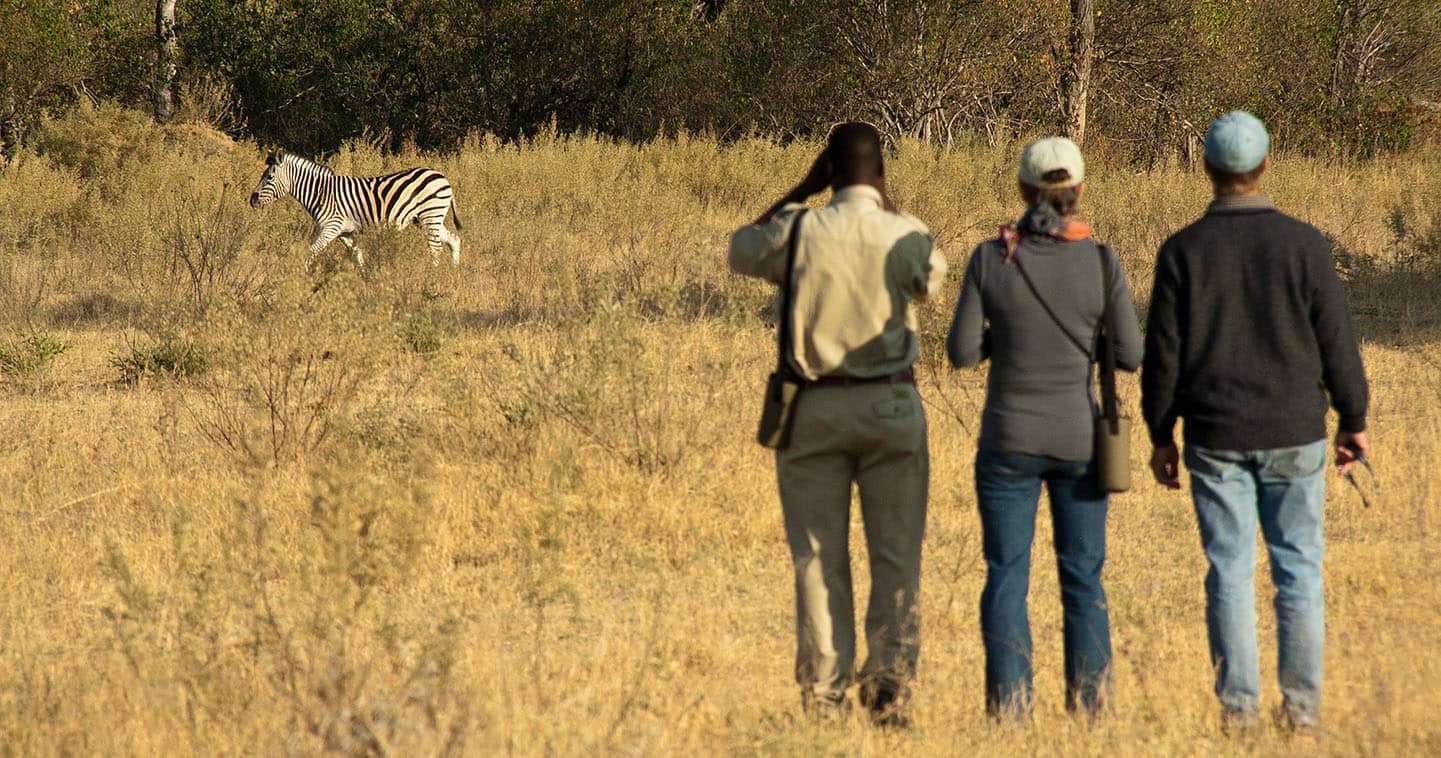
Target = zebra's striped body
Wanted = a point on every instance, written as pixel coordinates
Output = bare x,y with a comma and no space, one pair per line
345,205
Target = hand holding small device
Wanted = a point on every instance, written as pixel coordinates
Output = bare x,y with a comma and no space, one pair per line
1351,449
1166,466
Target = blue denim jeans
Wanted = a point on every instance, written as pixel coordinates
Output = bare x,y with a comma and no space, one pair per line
1282,490
1008,487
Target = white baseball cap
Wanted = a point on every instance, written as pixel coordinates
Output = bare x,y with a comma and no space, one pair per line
1052,154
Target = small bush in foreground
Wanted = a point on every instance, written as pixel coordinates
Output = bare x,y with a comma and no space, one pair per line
171,356
281,380
28,354
422,334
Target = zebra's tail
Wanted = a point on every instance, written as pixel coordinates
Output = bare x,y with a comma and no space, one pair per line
455,214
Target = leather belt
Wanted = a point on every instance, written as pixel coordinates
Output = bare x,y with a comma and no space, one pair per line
900,377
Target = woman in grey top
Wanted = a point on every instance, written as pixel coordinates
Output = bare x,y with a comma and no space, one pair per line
1037,425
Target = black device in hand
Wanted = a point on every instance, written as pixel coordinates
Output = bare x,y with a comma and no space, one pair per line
1351,475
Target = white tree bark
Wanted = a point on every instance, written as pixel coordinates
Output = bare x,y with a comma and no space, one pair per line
1076,81
165,48
707,10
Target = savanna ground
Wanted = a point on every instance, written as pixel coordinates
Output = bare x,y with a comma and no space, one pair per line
515,507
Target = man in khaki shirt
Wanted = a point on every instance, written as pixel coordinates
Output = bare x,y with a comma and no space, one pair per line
859,266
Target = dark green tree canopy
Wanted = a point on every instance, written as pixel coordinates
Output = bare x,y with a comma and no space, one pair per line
1337,76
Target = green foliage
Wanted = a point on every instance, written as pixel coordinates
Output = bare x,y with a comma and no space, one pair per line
943,72
97,141
311,76
170,356
51,52
422,334
25,355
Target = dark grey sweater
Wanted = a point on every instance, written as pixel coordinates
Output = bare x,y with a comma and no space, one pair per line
1249,332
1038,396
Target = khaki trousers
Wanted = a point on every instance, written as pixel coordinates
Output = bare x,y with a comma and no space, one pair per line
875,436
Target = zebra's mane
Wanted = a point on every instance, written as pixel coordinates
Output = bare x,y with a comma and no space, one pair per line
302,162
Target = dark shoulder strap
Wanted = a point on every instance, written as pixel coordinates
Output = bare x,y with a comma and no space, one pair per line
1104,253
783,331
1106,340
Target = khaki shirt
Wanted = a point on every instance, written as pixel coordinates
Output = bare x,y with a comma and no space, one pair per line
858,269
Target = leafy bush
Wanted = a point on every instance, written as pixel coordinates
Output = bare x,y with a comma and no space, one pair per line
97,141
170,356
28,354
422,334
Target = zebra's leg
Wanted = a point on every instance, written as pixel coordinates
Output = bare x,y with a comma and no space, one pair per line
348,239
435,238
452,240
323,236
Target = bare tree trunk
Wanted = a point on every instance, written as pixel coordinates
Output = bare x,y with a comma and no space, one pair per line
1191,148
707,10
1076,81
9,125
165,45
8,139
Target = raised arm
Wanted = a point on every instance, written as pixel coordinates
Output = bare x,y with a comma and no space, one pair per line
816,180
758,248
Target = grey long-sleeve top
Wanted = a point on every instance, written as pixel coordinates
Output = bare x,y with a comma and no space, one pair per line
1038,395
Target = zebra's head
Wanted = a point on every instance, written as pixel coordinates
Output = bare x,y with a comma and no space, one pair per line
273,183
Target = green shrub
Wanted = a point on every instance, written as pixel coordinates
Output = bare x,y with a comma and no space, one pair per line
27,354
422,334
98,140
170,356
105,140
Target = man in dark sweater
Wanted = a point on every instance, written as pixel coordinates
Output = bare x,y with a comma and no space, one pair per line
1247,335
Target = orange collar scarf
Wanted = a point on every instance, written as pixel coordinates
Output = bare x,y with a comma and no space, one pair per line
1069,231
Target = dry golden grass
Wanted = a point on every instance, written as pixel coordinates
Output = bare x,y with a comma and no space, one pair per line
515,507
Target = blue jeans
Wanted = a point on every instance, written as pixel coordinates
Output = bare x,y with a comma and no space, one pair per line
1282,490
1008,486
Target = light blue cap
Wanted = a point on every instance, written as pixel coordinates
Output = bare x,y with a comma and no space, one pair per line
1237,142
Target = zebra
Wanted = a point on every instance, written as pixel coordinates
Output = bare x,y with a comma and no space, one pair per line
344,205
